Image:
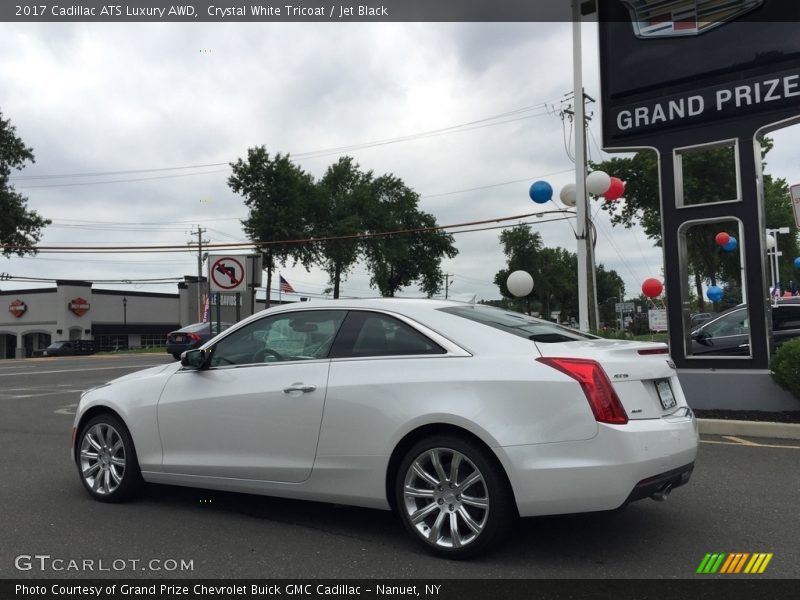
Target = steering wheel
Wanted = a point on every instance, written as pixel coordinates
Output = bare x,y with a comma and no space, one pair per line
262,354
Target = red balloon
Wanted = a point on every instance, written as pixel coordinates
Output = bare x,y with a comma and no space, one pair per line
652,288
722,238
615,190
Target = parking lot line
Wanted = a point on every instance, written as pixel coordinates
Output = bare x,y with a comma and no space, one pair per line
749,444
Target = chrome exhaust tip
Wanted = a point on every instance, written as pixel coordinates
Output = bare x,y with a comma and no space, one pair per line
662,494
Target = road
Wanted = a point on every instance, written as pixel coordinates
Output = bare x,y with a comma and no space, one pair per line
742,498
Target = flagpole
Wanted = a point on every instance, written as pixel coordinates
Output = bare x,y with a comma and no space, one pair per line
280,287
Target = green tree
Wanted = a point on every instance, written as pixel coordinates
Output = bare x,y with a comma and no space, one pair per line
554,272
282,200
397,261
344,203
521,247
20,228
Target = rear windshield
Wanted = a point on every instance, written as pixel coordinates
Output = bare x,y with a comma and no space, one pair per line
195,327
524,326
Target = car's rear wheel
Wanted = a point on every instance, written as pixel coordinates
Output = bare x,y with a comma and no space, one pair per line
107,462
453,497
176,356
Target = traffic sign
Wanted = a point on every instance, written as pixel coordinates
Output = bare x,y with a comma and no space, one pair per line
227,274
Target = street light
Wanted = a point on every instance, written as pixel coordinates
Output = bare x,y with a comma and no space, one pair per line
773,253
124,311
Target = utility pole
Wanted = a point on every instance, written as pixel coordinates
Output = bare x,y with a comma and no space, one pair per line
200,241
589,319
448,277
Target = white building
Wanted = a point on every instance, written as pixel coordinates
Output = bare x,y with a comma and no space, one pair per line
30,320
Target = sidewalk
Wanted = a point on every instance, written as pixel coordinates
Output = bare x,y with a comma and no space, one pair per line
760,429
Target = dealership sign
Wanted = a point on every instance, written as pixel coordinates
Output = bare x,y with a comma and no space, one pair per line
18,308
79,306
685,77
683,64
711,103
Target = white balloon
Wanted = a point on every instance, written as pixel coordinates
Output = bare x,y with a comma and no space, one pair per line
520,283
770,241
598,182
567,195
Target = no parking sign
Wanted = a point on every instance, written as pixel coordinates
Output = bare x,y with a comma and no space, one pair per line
227,274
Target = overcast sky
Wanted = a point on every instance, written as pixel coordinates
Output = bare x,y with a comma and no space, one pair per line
102,98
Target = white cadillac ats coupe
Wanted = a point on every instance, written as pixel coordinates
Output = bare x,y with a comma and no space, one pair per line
460,417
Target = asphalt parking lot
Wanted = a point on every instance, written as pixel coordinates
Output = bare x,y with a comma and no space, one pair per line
743,497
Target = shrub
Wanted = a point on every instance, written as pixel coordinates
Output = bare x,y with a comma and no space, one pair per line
785,366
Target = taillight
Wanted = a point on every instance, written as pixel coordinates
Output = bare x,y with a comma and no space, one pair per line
194,337
602,398
653,351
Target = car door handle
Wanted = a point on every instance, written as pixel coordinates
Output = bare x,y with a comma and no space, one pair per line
299,387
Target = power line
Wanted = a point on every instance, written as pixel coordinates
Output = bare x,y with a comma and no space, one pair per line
248,245
467,126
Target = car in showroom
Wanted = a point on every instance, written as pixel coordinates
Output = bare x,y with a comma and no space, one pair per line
192,336
458,416
728,334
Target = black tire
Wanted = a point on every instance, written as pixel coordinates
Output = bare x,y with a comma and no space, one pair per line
439,507
176,356
106,459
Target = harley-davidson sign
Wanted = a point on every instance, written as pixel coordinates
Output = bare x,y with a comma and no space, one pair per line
18,308
79,306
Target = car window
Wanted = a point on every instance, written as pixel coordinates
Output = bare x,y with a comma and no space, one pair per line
786,317
305,335
519,324
736,322
375,334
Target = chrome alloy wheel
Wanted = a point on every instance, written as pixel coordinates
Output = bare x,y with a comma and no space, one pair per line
102,458
446,498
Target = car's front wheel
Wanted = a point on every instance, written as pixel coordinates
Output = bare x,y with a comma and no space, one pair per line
107,462
453,497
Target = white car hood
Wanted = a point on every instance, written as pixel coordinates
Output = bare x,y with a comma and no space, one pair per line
152,371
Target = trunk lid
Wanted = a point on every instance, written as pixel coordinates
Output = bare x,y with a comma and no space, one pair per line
642,373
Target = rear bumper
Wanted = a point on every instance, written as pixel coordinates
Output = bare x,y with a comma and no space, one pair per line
619,465
663,483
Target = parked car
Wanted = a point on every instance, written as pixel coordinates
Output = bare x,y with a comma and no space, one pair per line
192,336
459,417
728,334
70,348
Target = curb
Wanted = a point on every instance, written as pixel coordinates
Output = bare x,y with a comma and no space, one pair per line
760,429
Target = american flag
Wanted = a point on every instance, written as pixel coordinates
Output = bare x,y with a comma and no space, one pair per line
285,286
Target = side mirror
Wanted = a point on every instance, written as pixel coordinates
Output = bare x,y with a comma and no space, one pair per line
193,359
702,337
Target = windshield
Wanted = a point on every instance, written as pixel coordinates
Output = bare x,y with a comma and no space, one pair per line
519,324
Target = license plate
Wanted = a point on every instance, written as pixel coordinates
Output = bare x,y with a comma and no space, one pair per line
665,394
178,339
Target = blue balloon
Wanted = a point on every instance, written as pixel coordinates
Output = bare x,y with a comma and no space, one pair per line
731,245
541,192
797,262
714,293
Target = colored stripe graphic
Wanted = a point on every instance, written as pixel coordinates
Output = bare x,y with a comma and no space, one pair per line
734,562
